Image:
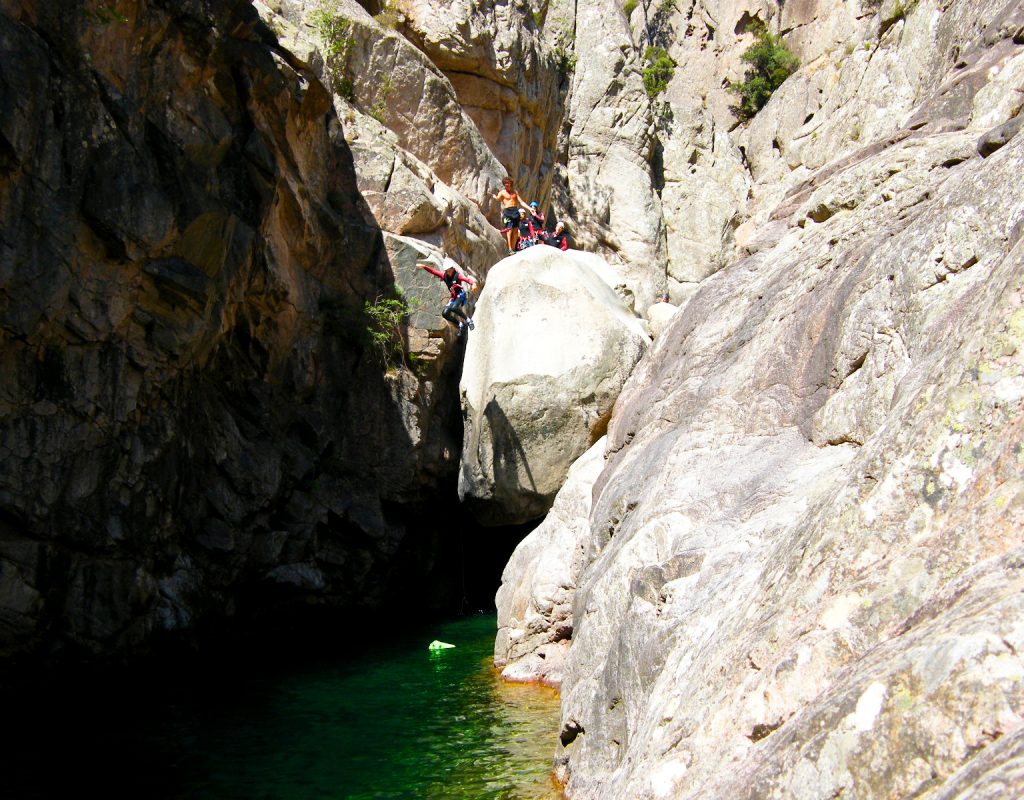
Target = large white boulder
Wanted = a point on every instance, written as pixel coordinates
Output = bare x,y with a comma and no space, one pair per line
553,347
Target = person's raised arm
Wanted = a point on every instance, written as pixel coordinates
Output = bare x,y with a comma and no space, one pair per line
435,272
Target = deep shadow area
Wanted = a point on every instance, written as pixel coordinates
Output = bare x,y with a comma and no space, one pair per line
81,725
481,556
507,452
334,725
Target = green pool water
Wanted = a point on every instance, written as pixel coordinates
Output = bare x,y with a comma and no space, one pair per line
397,721
377,718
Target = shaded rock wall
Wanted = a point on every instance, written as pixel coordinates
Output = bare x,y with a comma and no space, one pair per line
193,422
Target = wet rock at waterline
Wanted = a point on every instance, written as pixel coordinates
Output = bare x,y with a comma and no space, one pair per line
553,346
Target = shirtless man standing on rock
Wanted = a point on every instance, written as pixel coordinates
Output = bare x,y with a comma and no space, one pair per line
511,202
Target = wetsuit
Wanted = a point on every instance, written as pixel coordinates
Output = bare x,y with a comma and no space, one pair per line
525,233
457,300
559,240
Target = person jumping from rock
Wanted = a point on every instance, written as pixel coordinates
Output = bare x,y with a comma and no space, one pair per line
511,202
458,298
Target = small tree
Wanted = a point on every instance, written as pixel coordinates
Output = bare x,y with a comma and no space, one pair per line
658,70
771,62
335,34
386,317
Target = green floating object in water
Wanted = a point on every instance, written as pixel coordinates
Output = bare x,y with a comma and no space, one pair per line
436,645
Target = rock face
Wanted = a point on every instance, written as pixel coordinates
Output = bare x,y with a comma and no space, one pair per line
504,77
421,164
535,599
803,570
184,263
607,187
553,346
659,316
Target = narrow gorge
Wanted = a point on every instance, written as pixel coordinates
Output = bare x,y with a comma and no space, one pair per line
749,452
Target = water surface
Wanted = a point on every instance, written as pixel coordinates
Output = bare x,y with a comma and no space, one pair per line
398,721
388,719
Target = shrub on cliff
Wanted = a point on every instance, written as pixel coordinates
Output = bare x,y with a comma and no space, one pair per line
771,62
658,70
386,317
335,34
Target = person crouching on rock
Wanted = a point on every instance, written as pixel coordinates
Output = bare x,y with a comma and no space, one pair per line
511,202
558,238
456,307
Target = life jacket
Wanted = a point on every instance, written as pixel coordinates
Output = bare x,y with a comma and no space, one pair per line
451,281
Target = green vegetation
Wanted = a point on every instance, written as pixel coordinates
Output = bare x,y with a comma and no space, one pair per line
771,62
389,16
658,70
566,62
898,12
377,326
628,8
335,34
334,30
386,317
379,109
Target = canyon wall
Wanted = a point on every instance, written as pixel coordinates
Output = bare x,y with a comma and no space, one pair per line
196,422
799,574
793,568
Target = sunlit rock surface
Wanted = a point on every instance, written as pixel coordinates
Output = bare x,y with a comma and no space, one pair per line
804,568
535,599
606,189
